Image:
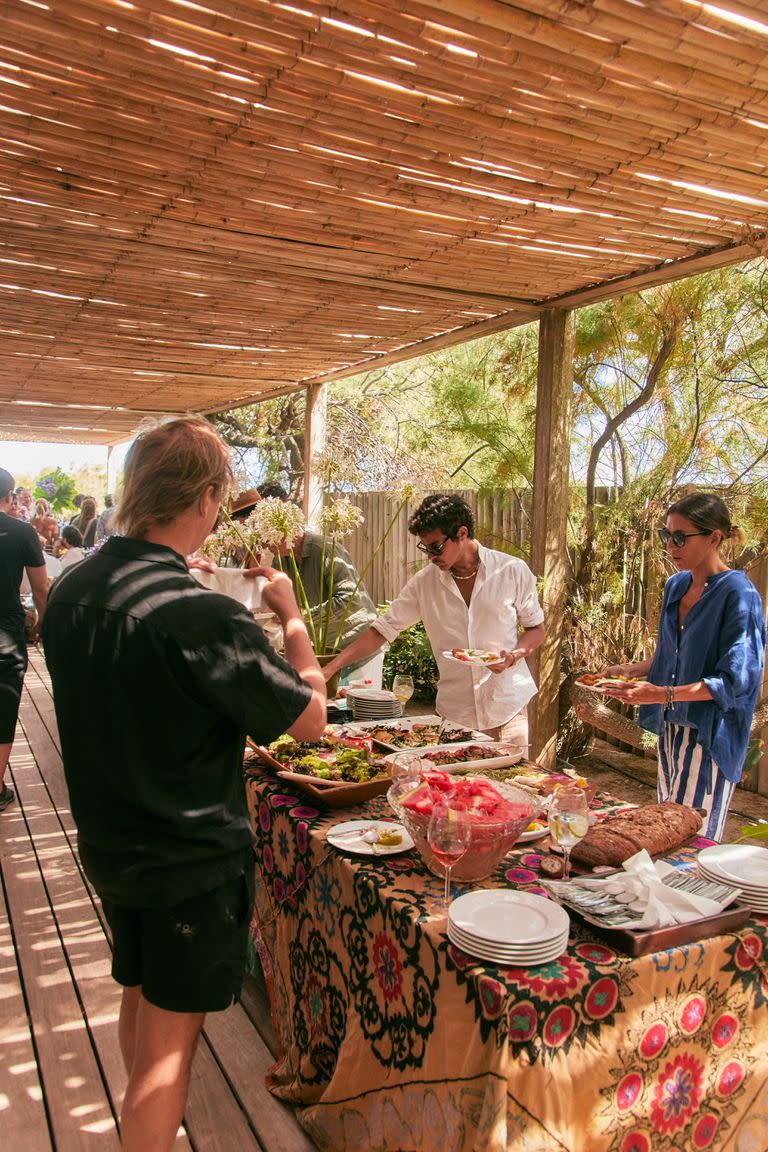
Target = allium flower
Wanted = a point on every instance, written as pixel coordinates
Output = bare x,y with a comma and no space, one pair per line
224,543
275,522
340,518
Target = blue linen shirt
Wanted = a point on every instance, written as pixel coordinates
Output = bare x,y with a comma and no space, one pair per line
722,643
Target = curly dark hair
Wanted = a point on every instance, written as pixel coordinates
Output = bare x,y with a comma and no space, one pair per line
443,512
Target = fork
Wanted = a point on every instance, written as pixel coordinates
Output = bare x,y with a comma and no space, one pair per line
687,882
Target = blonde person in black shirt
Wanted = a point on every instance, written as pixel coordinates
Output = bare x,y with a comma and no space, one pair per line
177,675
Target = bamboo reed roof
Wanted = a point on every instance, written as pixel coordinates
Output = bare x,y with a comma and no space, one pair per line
203,203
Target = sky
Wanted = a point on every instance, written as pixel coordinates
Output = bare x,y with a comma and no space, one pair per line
25,456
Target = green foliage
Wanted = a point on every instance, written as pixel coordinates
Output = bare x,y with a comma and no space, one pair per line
411,653
57,488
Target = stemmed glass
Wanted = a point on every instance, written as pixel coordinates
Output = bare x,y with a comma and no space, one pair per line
449,835
406,772
568,821
402,687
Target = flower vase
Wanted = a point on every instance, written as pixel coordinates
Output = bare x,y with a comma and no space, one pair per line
332,686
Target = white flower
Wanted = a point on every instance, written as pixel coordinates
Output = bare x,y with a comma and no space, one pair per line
225,542
340,518
275,522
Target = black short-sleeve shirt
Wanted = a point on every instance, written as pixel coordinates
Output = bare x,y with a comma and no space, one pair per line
156,682
19,549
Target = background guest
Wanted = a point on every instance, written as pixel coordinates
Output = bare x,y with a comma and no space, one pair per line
20,554
704,677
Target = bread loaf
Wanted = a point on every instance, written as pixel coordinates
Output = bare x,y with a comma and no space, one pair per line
655,827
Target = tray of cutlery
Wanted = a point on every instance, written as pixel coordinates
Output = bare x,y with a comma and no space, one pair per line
610,917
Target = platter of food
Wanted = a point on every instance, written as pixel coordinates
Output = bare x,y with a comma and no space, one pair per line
456,758
335,772
481,656
414,732
535,830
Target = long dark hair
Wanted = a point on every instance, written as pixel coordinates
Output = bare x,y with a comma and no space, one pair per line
705,511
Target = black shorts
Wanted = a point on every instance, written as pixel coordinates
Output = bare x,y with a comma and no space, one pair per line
13,665
189,957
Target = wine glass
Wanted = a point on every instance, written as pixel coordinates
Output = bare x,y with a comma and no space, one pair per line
402,687
568,821
449,834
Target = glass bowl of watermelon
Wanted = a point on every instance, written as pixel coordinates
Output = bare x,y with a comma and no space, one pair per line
498,812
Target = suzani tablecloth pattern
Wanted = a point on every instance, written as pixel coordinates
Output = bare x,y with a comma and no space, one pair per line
394,1040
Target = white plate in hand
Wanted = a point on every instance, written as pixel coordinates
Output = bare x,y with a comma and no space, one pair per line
479,657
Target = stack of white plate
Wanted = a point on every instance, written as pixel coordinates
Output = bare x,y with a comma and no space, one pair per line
508,927
744,866
373,704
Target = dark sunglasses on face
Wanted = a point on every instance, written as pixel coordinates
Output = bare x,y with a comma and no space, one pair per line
677,538
433,549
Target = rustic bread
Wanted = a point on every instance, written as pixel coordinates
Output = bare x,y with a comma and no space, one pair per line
655,827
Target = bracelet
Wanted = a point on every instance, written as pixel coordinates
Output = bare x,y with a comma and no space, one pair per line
669,698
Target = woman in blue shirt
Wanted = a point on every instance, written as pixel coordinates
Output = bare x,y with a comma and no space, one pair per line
704,678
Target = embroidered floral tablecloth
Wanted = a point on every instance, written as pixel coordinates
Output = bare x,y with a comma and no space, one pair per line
393,1040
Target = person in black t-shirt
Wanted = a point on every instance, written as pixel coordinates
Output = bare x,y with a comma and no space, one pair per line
20,551
177,676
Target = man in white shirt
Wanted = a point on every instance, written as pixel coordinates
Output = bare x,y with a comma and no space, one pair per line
467,597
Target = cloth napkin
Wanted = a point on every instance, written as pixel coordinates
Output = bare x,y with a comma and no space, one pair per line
642,881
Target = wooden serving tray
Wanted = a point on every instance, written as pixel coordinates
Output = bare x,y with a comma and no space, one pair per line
325,793
673,936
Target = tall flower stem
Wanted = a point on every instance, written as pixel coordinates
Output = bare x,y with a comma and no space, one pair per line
240,536
326,605
302,598
364,572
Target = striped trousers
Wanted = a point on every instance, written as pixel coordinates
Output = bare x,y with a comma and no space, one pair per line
687,776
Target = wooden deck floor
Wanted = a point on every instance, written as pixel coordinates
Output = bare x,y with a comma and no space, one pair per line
61,1074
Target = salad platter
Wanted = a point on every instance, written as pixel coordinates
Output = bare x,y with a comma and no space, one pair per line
334,772
414,732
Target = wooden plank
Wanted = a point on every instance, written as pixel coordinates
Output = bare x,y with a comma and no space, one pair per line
314,445
78,1103
247,1060
549,556
22,1109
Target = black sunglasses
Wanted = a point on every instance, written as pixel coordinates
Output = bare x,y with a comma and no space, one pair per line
677,538
433,549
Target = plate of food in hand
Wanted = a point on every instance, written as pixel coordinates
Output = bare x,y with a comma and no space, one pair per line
480,656
334,771
595,682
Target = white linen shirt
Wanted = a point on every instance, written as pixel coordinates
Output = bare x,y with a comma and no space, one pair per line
503,602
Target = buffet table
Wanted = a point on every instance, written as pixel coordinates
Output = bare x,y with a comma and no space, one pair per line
393,1040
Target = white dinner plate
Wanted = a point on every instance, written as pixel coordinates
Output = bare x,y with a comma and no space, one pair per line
475,658
750,895
348,837
504,916
536,834
744,863
510,959
523,951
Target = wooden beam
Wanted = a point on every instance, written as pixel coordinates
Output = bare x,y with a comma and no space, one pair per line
314,444
549,559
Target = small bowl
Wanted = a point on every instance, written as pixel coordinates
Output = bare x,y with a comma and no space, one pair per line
491,839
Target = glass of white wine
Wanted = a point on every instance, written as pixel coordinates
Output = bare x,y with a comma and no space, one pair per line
402,687
568,821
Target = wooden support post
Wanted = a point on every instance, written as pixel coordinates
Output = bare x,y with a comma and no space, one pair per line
549,559
314,444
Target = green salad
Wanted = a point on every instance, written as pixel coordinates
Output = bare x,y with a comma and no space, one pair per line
326,759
